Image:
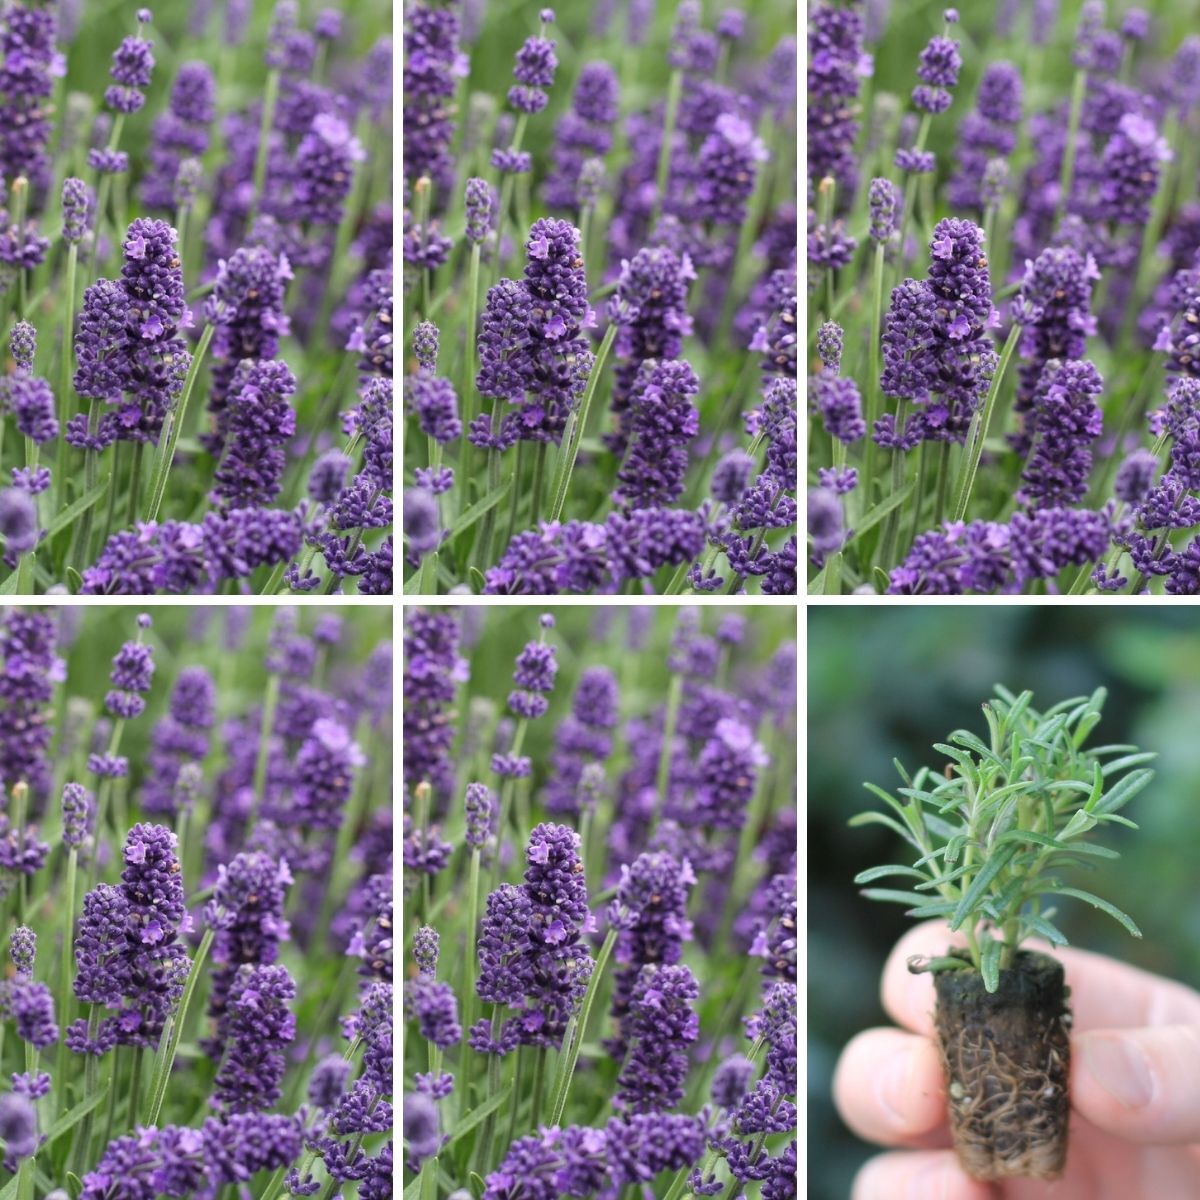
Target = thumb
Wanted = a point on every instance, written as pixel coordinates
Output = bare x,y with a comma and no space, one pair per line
1141,1085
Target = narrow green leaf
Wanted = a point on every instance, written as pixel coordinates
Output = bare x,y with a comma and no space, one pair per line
1124,790
895,897
954,847
78,508
476,1115
872,873
1047,929
478,583
1129,760
69,1120
9,588
905,812
1103,905
1119,820
942,880
880,511
875,818
901,771
964,738
74,581
989,963
980,884
932,908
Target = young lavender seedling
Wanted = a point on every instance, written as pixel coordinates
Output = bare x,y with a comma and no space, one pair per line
993,834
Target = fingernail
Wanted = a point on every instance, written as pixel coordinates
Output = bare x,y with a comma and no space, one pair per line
1121,1068
893,1088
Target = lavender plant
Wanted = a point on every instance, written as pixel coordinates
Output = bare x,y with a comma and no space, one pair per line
1002,238
600,900
195,299
601,257
994,835
200,997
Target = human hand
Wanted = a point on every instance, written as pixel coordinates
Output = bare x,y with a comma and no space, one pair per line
1135,1087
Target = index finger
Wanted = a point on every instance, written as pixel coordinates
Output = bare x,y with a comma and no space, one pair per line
1105,994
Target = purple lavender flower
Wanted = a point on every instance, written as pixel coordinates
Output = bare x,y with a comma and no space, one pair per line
582,738
434,401
884,203
536,668
31,400
324,170
481,813
180,737
650,311
22,948
988,132
32,1009
132,672
650,910
1066,420
534,71
432,63
663,420
77,808
432,671
30,64
27,679
826,523
659,1026
481,204
22,342
726,169
731,1081
583,134
18,1128
258,1026
1135,476
425,950
938,68
555,280
180,134
132,67
435,1008
835,62
1130,171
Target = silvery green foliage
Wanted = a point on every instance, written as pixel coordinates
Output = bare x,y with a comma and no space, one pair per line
995,830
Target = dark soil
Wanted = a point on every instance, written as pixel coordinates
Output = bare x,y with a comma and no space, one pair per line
1006,1057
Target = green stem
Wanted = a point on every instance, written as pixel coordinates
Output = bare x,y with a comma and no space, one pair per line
169,1045
662,175
539,480
64,376
467,386
873,393
514,496
899,462
91,468
169,438
575,426
980,423
571,1056
1067,175
467,1058
943,484
918,495
662,776
270,704
270,99
66,957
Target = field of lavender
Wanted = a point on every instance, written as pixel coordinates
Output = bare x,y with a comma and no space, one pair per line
600,298
196,885
195,297
600,903
1004,292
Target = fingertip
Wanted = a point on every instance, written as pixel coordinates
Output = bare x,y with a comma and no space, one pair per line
888,1087
918,1175
1143,1085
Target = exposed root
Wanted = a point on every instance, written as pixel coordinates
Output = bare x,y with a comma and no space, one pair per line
1006,1060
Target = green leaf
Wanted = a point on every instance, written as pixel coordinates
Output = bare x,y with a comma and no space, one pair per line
9,588
1129,760
875,818
909,814
878,872
478,583
1123,791
1047,929
989,963
476,1115
942,880
965,738
980,884
931,908
880,511
1119,820
1103,905
78,508
69,1120
1041,839
895,897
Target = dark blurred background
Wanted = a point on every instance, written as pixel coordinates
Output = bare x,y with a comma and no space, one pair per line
887,683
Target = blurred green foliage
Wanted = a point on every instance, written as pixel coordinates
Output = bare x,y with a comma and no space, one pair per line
886,683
